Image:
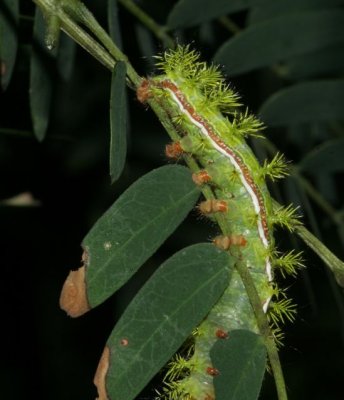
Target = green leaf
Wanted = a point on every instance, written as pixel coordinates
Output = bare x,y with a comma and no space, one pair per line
267,9
134,227
325,61
241,361
113,22
9,15
118,121
66,56
163,314
188,13
40,79
327,157
278,39
309,101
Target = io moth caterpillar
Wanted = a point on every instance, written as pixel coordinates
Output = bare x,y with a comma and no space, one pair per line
204,112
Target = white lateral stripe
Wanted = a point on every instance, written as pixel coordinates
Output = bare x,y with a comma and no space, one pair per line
247,186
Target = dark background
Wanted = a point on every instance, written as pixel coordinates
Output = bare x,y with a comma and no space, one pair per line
44,353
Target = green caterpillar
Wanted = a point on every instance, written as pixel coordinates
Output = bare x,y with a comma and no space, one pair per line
204,112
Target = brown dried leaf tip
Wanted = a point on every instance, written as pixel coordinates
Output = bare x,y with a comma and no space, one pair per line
73,298
100,376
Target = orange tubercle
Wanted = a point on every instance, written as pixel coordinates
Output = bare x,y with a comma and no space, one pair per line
212,206
213,371
221,334
173,150
225,242
143,91
201,177
238,240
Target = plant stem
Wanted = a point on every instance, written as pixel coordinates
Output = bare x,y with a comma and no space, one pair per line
335,265
264,329
79,10
146,20
68,25
76,33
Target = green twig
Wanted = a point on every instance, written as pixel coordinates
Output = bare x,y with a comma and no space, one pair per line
264,329
334,263
78,10
71,28
148,21
66,12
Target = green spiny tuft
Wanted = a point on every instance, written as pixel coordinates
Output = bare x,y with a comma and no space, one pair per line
288,263
245,124
179,119
181,61
177,368
286,217
281,310
173,391
277,168
222,96
278,335
207,77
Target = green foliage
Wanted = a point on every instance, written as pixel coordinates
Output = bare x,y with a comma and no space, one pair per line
266,9
328,156
188,13
158,321
113,22
277,39
134,227
9,15
118,121
320,100
286,59
241,361
41,84
66,57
